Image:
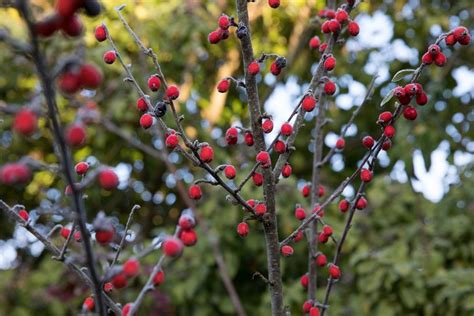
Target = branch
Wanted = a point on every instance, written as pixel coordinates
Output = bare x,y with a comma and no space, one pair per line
122,241
64,154
10,211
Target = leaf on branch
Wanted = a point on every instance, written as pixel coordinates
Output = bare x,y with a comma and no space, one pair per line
401,74
387,98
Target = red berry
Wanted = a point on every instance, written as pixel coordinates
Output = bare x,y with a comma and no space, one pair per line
77,236
330,14
109,57
421,98
100,33
131,267
81,168
104,236
450,40
48,26
172,247
224,22
186,222
304,280
286,251
257,178
69,82
465,40
389,131
88,304
126,309
64,232
248,138
188,237
195,192
342,16
385,117
344,206
24,215
308,103
229,172
427,58
460,33
172,141
299,236
243,229
329,87
286,171
154,83
214,37
329,63
267,126
340,143
306,191
411,89
146,121
286,129
206,154
231,136
25,122
440,60
274,69
108,287
159,278
300,213
322,47
90,76
323,238
14,173
353,28
172,93
327,230
253,68
279,147
334,271
264,159
72,26
365,175
66,8
314,42
410,113
368,142
108,179
361,203
223,85
321,191
321,260
434,50
325,27
76,135
314,311
260,209
334,26
307,306
387,145
119,281
274,3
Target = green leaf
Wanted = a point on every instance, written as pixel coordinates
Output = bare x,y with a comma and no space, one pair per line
401,74
387,98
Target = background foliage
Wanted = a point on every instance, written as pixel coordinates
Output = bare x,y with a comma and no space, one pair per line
405,255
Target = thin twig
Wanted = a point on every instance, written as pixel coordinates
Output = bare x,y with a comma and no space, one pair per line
124,237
